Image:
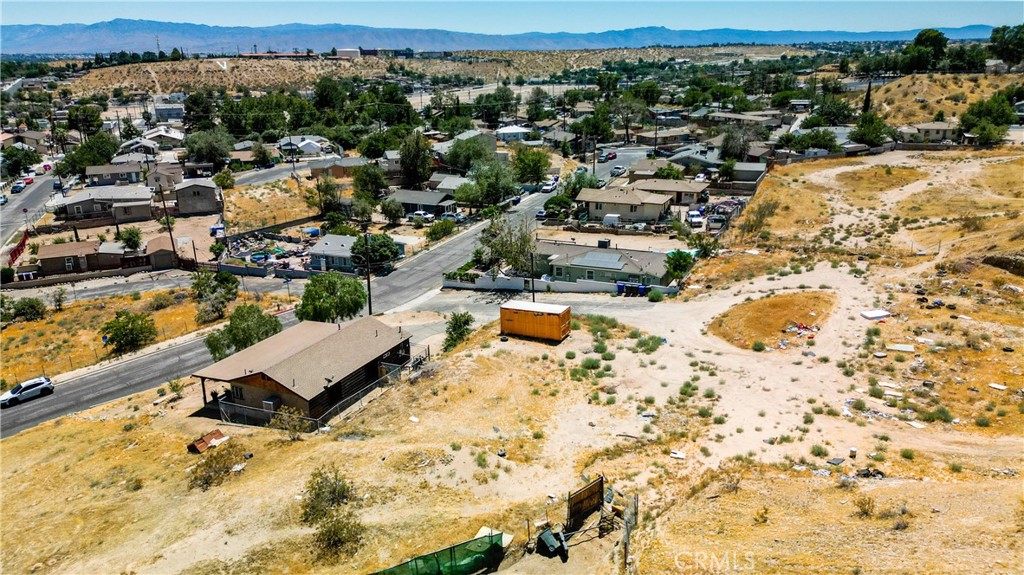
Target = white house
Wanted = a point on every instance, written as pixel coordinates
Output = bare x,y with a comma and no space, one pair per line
304,145
512,133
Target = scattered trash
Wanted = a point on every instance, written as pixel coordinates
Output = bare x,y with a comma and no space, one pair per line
212,439
1008,349
881,354
677,455
916,424
414,419
998,387
836,461
502,452
870,473
822,472
875,314
237,468
799,468
904,347
1014,289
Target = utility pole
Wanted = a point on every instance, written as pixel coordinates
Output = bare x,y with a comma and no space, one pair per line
163,201
366,260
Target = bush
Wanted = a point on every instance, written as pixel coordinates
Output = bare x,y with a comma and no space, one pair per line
608,356
340,532
819,451
440,229
481,460
907,454
129,331
160,301
289,420
570,355
655,296
6,275
215,467
982,422
458,328
326,490
865,506
30,309
591,363
758,346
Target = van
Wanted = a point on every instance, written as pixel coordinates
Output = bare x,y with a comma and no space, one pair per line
612,220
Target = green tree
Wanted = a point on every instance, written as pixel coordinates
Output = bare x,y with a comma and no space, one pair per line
469,194
129,331
558,202
382,249
1007,43
647,91
995,110
200,112
86,119
736,142
131,237
368,181
458,328
29,309
392,210
669,173
212,293
213,146
329,297
530,165
18,160
866,107
871,131
678,262
834,111
324,195
375,144
96,151
988,134
574,184
225,179
129,131
494,180
727,169
416,158
934,41
464,153
261,155
511,242
248,326
630,110
707,246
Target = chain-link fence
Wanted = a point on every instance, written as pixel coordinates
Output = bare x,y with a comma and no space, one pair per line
478,555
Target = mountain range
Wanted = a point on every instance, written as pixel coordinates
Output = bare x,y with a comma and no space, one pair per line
141,35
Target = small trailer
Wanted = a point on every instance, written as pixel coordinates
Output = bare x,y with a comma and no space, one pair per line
537,320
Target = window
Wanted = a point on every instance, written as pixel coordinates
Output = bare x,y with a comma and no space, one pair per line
122,175
195,193
78,210
237,392
69,263
598,206
558,272
590,274
632,209
126,211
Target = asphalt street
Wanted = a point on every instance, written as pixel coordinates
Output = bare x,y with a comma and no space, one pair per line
420,275
32,198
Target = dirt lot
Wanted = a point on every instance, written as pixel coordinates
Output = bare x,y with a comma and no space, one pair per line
918,97
253,207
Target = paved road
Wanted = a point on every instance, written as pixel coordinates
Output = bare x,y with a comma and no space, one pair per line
257,177
418,276
627,157
31,198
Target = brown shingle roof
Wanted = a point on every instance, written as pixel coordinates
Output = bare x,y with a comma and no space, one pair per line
70,249
302,357
673,186
157,244
624,196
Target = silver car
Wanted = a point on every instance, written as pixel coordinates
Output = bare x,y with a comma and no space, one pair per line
37,387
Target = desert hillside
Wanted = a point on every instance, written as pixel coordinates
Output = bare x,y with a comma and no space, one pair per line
918,97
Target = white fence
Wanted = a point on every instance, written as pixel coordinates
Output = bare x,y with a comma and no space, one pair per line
486,283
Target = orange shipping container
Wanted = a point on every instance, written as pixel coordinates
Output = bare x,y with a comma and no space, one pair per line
538,320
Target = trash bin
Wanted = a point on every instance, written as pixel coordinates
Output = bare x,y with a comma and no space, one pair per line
620,287
642,289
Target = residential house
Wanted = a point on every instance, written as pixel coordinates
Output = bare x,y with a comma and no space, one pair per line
133,158
741,120
631,205
707,156
488,139
547,124
165,136
7,140
557,138
122,203
645,169
198,196
583,109
665,137
800,105
682,192
512,133
451,183
140,145
937,131
244,145
109,255
169,112
337,167
435,203
111,175
391,162
68,258
304,145
332,252
572,262
165,176
34,140
311,366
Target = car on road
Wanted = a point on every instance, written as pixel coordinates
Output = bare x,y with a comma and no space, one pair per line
427,216
47,167
582,170
602,183
17,187
3,200
37,387
457,218
28,180
617,171
542,215
548,187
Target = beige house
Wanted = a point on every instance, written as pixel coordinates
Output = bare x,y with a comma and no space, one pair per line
632,206
680,191
937,131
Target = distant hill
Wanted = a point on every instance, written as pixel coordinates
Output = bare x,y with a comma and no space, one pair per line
140,35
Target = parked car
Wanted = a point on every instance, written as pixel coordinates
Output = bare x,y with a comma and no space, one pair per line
26,390
427,216
542,215
603,157
549,187
47,167
17,187
582,170
457,218
611,154
28,180
602,183
617,171
3,200
694,218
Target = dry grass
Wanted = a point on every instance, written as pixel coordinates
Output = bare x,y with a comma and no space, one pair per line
737,267
764,319
899,103
862,188
802,206
69,339
1005,178
249,208
996,236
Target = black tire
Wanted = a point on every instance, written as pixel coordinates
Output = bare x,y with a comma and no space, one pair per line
46,391
13,402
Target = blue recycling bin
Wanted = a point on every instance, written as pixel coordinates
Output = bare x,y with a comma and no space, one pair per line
620,287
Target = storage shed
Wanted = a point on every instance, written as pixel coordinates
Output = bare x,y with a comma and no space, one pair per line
539,320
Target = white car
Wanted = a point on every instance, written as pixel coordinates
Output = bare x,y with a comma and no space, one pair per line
37,387
694,218
618,171
427,216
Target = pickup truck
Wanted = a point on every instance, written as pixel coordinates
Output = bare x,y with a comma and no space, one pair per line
694,218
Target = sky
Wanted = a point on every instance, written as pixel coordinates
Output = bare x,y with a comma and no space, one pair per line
510,17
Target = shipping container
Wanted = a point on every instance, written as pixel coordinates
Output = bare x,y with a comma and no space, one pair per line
538,320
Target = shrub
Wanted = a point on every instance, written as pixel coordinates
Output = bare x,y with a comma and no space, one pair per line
819,451
956,467
808,419
440,229
289,420
570,355
655,296
215,467
458,328
982,422
761,517
865,506
481,460
129,331
591,363
30,309
758,346
6,275
608,356
859,405
326,490
340,532
160,301
907,454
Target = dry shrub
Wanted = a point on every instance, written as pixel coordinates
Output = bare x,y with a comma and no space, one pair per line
215,466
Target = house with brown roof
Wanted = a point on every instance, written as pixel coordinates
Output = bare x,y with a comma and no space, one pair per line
68,258
159,253
311,366
631,205
112,175
686,192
